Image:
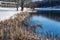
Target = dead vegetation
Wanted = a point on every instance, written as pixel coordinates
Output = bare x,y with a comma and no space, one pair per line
12,29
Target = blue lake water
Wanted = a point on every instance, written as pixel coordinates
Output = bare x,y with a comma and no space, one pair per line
49,24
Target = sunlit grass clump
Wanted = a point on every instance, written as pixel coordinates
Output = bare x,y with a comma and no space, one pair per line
13,29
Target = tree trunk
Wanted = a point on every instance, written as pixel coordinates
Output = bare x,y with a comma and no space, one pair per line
17,6
22,5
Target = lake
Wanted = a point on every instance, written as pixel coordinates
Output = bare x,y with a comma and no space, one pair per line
50,22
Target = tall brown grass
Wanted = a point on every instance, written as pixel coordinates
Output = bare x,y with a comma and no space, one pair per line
15,30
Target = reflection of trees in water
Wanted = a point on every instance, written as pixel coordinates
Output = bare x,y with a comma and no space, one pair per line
55,15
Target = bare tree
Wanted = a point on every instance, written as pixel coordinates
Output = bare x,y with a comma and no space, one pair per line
32,5
24,2
17,5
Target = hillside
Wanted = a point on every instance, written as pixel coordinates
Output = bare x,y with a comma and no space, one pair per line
13,29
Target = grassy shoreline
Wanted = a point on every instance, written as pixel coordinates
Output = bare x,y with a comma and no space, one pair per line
13,29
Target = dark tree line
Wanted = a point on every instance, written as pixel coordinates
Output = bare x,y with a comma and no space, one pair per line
9,0
47,3
21,3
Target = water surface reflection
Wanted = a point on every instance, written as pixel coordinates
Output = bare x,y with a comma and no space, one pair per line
50,23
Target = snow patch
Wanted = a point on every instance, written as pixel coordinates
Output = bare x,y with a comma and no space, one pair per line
6,13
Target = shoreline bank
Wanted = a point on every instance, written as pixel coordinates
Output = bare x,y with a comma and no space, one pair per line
13,29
